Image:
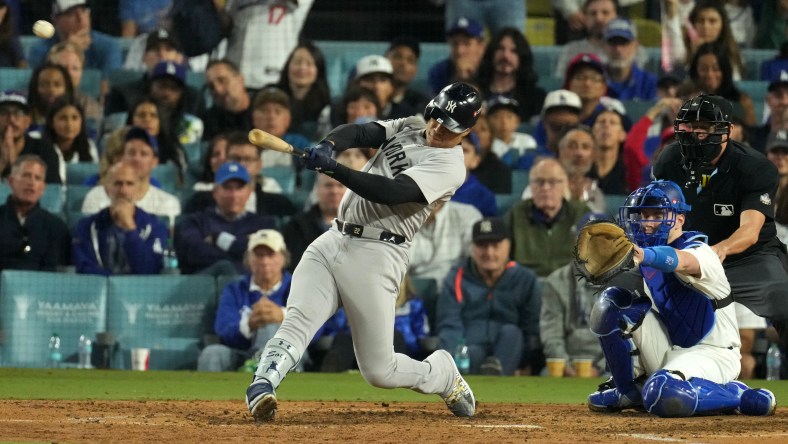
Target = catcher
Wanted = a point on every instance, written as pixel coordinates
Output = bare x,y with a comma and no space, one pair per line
675,351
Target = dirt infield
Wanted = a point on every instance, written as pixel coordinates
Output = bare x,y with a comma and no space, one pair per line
351,422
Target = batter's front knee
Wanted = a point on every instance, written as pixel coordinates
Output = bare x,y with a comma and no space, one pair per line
379,376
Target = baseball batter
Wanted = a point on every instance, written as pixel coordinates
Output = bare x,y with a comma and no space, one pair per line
674,352
359,263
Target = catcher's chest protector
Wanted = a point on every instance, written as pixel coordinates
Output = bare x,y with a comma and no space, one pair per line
687,313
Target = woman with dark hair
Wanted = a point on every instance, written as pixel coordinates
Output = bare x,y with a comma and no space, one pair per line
64,139
147,114
304,79
507,68
11,54
48,82
215,156
712,72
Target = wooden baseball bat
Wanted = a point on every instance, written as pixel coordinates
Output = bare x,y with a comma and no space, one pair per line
270,142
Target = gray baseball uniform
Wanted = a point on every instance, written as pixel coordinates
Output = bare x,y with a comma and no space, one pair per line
362,269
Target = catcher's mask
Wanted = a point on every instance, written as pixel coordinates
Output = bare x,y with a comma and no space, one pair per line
702,125
662,200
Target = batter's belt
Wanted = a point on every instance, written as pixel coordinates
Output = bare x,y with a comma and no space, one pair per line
361,231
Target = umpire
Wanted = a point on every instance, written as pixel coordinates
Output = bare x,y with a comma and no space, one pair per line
731,188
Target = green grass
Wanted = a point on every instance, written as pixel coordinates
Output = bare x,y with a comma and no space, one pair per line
182,385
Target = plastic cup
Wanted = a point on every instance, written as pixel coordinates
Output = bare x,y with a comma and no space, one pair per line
140,359
583,367
555,367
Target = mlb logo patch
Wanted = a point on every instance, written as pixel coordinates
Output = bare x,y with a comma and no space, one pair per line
723,210
765,199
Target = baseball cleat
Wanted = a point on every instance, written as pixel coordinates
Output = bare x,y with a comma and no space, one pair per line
610,401
757,402
460,400
261,400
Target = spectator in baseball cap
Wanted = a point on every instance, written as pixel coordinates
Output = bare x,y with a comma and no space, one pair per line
585,76
466,42
777,152
376,73
625,80
404,53
560,112
14,119
511,146
272,113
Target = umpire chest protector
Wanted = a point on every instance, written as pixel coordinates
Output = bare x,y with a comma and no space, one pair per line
687,313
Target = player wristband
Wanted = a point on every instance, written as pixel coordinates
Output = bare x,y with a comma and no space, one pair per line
663,258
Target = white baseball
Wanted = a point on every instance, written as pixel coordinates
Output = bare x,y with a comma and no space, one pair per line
43,29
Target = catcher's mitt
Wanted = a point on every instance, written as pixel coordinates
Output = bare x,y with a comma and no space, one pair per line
602,251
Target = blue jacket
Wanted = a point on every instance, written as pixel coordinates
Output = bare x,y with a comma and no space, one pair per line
143,246
440,75
235,297
641,85
411,321
468,308
103,53
194,253
473,192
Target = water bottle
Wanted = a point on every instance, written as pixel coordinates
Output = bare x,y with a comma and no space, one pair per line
170,260
462,358
85,351
54,351
773,361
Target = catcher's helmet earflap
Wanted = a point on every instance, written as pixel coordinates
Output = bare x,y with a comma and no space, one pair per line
702,125
457,107
665,200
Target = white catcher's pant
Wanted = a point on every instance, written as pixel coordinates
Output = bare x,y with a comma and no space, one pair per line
717,364
363,276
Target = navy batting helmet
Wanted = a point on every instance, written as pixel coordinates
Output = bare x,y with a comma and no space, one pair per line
702,124
661,196
457,107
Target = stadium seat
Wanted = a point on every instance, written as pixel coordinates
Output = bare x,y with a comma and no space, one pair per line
756,89
15,78
91,83
167,314
123,76
649,32
637,108
167,175
539,8
284,175
504,202
54,199
540,31
75,194
551,83
5,191
33,305
545,59
519,181
612,203
77,173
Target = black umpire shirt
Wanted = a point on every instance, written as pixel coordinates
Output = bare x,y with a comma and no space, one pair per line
744,180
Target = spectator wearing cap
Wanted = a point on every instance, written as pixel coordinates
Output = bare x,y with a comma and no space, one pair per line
14,122
466,42
596,15
542,223
140,151
304,80
507,69
625,79
566,308
72,58
560,112
777,104
585,76
272,113
473,192
376,73
777,152
511,146
141,16
232,104
168,87
122,238
491,302
145,53
265,199
213,241
404,53
491,171
73,23
250,309
31,238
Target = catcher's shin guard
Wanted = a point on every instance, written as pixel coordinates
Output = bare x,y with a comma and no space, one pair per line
616,314
278,358
668,395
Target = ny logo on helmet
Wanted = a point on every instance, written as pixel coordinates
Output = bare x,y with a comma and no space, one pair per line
451,106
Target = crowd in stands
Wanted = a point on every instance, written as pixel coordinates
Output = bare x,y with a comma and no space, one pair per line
172,166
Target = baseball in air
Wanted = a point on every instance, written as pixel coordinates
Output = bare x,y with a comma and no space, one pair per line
43,29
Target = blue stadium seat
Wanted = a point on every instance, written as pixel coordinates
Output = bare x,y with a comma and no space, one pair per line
15,78
167,314
5,191
284,175
33,305
551,83
123,76
545,59
504,202
75,194
76,173
613,202
637,108
167,175
54,199
519,181
756,89
91,83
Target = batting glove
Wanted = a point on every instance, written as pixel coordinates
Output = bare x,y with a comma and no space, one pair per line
318,158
